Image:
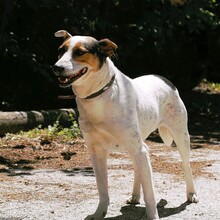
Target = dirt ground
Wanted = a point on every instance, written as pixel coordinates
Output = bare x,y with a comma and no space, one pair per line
43,179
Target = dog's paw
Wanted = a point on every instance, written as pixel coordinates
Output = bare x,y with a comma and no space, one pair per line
192,197
135,199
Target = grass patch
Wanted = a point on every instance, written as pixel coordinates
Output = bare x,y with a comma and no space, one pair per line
53,132
214,86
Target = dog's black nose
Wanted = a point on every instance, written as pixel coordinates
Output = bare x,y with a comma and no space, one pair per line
58,69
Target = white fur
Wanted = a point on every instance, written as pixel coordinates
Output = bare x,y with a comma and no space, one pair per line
122,118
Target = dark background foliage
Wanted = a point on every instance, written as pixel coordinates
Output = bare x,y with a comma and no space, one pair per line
179,39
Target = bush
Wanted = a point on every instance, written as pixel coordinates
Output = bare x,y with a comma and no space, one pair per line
167,37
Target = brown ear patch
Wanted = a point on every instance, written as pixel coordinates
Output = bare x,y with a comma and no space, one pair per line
107,47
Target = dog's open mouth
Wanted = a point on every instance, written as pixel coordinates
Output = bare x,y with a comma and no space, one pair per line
67,80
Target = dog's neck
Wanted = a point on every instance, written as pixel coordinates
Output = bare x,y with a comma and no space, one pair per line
95,81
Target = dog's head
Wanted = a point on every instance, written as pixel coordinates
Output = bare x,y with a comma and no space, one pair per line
80,56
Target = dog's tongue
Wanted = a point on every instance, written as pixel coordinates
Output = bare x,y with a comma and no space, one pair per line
65,80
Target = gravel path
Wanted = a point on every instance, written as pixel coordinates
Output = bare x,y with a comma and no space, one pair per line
72,195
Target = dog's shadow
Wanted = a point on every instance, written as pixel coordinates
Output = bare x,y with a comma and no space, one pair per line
132,212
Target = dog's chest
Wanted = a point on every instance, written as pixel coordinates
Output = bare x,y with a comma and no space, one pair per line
96,123
94,117
93,112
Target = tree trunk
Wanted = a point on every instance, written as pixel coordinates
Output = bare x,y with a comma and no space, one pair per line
12,122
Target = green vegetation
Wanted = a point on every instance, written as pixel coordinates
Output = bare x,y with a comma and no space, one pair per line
178,39
51,133
214,86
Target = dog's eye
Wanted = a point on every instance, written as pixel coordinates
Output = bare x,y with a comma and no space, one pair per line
79,52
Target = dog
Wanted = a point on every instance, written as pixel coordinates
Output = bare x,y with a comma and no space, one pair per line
118,113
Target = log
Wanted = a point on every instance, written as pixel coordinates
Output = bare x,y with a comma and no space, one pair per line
13,122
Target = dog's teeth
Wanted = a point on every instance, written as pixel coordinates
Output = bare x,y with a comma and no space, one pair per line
66,80
84,70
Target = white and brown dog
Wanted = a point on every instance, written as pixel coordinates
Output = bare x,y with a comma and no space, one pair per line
117,112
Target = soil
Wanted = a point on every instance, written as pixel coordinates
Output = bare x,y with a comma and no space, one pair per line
44,179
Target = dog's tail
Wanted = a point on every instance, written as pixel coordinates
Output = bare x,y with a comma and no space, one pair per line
165,135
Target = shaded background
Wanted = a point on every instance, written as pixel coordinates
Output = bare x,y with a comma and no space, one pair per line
179,39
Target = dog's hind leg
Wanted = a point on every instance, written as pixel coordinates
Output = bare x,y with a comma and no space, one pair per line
175,120
182,140
99,162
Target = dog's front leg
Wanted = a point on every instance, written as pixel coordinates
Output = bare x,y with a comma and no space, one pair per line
99,162
135,197
142,162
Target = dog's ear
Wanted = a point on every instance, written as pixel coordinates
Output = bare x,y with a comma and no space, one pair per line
107,47
63,33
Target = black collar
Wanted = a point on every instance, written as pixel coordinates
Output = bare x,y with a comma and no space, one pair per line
93,95
107,86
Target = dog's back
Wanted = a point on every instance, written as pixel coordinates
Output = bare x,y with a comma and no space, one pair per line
158,101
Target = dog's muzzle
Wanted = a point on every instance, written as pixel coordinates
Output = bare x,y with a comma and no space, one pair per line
58,69
67,80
